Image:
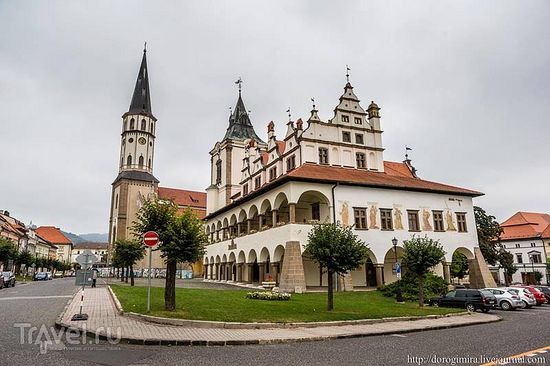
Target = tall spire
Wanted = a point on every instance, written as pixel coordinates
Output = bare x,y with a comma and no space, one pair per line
240,127
141,100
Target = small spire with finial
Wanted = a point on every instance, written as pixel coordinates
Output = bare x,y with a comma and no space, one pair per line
313,102
407,149
289,114
347,73
239,83
230,110
145,47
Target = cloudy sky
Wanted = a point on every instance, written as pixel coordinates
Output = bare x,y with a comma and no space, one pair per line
466,84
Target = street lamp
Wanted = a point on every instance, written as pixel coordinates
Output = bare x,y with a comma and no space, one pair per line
398,296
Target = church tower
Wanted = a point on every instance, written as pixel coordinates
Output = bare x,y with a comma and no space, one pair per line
135,181
226,157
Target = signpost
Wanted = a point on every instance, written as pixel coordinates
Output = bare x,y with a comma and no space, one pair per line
85,259
150,239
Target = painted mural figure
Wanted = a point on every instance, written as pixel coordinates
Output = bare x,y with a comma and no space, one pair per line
344,214
398,221
372,217
426,220
450,223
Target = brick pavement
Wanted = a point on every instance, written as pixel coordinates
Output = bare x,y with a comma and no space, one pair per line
104,318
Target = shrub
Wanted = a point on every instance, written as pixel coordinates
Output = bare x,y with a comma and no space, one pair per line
268,295
433,286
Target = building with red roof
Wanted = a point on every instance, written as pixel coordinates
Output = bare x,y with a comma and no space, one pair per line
264,197
55,237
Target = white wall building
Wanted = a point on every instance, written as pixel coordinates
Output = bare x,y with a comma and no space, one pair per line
264,198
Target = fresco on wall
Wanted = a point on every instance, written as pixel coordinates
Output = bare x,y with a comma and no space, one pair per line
426,226
372,216
398,223
344,214
450,223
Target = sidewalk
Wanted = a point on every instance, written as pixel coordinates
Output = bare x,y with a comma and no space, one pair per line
104,317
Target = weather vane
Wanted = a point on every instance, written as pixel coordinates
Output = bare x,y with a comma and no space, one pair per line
239,82
407,149
347,73
289,114
313,101
230,110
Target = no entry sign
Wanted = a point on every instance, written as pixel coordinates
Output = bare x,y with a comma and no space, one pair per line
150,238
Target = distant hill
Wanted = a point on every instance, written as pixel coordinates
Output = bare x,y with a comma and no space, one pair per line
82,238
95,237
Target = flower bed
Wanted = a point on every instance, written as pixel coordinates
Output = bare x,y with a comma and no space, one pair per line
268,295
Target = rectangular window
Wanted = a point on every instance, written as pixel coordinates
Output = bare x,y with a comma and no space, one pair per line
519,258
357,120
517,245
536,258
438,220
346,136
272,173
360,215
359,139
360,159
533,245
218,172
291,162
257,182
345,118
461,222
245,189
412,216
385,219
315,211
323,155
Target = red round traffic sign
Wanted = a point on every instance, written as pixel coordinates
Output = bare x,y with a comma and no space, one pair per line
150,238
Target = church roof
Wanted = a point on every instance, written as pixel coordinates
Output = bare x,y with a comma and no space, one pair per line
240,127
524,225
185,198
141,99
136,175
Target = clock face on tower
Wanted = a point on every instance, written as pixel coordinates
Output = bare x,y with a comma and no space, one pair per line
142,140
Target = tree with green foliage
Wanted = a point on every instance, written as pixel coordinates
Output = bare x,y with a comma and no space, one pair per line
128,252
419,256
506,262
488,234
459,265
8,251
182,238
538,277
337,250
24,257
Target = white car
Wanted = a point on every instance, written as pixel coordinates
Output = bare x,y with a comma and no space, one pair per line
525,295
507,299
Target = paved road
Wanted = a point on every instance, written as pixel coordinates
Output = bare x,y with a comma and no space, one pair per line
520,331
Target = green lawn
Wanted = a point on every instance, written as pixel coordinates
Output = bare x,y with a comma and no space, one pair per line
232,306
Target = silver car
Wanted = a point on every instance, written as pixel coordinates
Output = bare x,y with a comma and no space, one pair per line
507,299
527,298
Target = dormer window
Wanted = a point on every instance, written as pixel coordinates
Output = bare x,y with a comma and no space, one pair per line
346,136
345,118
357,120
273,173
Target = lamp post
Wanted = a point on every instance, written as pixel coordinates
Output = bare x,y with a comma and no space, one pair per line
398,296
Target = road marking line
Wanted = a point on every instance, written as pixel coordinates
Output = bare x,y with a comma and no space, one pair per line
36,297
530,353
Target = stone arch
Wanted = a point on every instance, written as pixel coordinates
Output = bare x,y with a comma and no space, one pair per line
312,206
241,258
205,261
264,255
252,211
366,274
218,259
232,257
252,256
279,200
281,205
265,209
242,216
211,259
467,252
265,206
224,258
233,220
278,253
225,223
389,264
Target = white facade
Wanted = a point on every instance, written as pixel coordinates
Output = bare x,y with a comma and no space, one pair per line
327,171
529,256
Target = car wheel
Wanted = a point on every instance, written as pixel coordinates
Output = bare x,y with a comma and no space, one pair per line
471,308
505,305
435,304
485,310
524,304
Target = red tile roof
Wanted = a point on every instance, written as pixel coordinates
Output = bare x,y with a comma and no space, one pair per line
265,157
396,168
281,146
395,180
183,197
525,225
52,235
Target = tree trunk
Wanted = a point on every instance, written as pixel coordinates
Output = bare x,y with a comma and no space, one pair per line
127,273
131,275
421,290
170,286
330,291
121,274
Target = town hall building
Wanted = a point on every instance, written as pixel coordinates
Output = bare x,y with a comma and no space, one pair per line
265,195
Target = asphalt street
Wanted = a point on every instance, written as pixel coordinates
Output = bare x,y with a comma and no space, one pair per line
40,303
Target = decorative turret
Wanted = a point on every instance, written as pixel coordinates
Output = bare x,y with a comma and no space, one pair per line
374,115
271,130
240,127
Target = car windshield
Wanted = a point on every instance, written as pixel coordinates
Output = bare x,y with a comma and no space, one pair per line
486,292
513,291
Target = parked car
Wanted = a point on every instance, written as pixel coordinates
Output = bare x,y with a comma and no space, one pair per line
539,296
49,274
40,276
506,299
9,279
525,295
546,291
470,299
